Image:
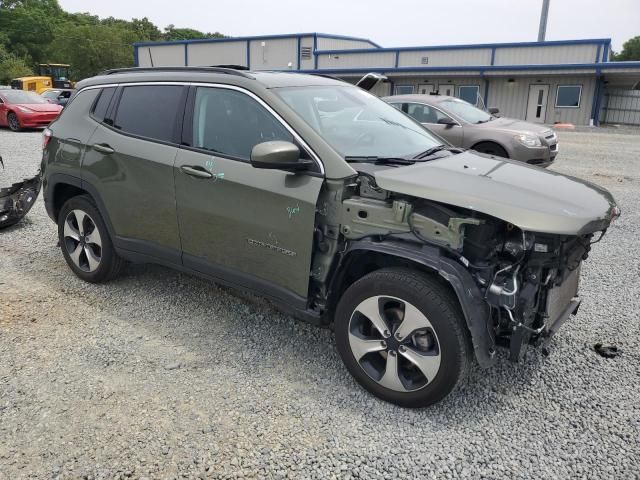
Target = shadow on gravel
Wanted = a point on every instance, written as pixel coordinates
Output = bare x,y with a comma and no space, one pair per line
262,343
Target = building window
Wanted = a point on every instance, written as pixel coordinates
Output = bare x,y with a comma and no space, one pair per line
404,89
469,93
568,96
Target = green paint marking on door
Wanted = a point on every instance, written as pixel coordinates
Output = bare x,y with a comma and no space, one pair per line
293,210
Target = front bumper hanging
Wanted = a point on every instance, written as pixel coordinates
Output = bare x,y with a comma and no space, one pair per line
16,200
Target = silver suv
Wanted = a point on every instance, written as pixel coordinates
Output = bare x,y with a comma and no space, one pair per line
464,125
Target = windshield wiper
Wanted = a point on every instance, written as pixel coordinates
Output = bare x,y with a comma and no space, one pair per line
378,160
430,151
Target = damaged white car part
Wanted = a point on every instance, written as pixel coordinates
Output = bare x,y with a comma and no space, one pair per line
16,200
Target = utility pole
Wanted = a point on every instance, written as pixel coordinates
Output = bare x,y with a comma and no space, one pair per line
544,14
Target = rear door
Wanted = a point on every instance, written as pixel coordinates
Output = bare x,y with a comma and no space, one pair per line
250,227
130,159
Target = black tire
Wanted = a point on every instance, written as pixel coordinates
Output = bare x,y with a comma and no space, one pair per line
491,148
110,264
13,122
437,303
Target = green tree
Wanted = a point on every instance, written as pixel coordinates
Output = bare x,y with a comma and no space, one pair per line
173,33
630,50
12,67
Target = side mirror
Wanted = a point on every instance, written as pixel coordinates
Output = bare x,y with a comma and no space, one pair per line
449,122
494,110
278,155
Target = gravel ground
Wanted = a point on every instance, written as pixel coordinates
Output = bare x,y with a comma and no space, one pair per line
162,375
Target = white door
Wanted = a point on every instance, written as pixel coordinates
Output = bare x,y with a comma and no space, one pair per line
447,89
537,106
425,88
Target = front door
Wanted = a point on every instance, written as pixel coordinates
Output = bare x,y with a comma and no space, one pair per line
247,226
425,88
537,106
430,116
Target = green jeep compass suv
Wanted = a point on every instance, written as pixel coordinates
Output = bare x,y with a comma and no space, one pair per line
331,203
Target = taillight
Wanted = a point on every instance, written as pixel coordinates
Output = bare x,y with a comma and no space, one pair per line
46,137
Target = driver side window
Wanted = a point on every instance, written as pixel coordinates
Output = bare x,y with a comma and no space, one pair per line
231,123
424,113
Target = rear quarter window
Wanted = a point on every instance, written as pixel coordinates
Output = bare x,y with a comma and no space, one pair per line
100,109
149,111
79,105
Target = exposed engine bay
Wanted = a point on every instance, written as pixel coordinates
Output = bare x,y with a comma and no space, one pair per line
528,281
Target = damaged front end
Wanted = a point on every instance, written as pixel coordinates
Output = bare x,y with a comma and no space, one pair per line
16,200
522,285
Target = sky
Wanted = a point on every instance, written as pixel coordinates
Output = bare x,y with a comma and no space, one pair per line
388,23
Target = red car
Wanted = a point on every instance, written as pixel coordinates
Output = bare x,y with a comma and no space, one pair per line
21,109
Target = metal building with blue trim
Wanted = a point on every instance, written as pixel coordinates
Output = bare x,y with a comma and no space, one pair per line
569,81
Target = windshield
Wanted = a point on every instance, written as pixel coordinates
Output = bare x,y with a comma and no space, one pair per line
21,96
465,111
356,124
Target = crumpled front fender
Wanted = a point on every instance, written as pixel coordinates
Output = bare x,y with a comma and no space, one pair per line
16,200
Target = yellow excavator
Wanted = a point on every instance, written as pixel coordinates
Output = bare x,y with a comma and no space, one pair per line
50,75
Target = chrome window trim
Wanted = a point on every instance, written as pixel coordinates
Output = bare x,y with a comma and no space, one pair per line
264,104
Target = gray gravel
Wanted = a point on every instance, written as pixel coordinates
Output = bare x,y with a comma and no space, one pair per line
162,375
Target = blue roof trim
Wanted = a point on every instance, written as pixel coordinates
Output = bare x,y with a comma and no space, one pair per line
598,67
556,43
258,37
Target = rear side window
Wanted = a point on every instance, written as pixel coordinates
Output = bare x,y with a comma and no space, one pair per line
100,110
149,111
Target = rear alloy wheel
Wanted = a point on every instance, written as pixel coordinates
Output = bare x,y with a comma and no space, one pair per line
85,241
14,123
402,336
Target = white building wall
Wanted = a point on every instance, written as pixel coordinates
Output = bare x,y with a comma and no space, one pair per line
358,60
161,56
512,97
307,64
274,54
580,53
437,58
325,43
220,53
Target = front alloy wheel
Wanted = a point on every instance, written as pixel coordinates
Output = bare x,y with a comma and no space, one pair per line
401,334
394,343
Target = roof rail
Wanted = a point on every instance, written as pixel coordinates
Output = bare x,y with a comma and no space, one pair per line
228,71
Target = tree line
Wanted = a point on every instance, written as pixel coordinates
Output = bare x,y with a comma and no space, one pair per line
40,31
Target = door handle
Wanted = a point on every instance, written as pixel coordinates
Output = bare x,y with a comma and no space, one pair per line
103,148
196,172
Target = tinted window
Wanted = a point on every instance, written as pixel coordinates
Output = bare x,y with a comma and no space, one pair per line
102,104
149,111
568,96
469,93
404,89
423,113
232,123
